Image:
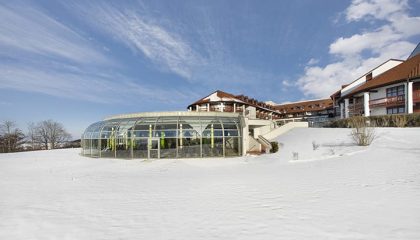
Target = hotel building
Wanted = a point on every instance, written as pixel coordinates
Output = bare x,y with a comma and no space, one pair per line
227,125
391,88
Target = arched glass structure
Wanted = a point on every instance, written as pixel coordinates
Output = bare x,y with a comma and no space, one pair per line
186,135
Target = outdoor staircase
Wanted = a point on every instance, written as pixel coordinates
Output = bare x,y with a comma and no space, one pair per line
265,143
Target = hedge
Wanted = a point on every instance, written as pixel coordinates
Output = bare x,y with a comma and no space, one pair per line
395,120
274,147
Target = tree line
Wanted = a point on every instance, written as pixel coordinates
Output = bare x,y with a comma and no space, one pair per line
46,134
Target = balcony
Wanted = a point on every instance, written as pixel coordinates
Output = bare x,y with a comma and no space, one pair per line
416,96
356,109
226,108
387,101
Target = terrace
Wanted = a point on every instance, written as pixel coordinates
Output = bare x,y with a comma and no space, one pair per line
387,101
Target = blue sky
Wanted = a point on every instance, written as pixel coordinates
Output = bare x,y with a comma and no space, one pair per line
78,61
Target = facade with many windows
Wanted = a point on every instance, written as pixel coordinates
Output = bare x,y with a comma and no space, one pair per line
224,125
220,101
391,88
318,110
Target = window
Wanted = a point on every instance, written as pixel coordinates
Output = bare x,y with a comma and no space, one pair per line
395,110
369,76
395,91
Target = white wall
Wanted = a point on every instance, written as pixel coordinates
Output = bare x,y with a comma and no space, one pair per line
253,145
285,128
375,72
381,93
262,130
385,67
378,111
252,112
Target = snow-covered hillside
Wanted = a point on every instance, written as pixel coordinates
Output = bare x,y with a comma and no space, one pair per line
338,191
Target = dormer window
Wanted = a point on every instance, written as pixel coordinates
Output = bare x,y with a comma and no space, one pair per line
369,76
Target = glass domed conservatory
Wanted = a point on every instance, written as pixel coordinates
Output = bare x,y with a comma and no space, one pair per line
165,135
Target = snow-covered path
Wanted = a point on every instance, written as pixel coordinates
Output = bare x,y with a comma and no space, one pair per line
339,191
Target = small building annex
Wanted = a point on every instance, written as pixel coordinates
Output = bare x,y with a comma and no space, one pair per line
165,135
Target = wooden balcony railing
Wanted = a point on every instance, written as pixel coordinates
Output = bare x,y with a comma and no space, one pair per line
416,96
387,101
225,109
356,109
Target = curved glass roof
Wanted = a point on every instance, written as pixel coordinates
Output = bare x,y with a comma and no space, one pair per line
172,135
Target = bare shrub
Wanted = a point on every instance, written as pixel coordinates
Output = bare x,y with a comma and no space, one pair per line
361,132
295,156
400,120
385,121
315,145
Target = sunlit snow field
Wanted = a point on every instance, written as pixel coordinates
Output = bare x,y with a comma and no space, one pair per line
338,191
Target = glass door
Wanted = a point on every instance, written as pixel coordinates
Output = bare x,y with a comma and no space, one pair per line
154,148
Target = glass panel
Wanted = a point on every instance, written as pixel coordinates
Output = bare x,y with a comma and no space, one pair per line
232,146
154,148
165,133
189,147
229,126
86,147
400,90
140,148
167,147
189,134
189,138
163,126
117,137
106,149
231,133
216,132
212,147
95,147
141,133
123,146
401,110
394,110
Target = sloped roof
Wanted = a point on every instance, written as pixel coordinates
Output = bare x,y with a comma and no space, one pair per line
218,96
305,106
406,70
415,52
337,94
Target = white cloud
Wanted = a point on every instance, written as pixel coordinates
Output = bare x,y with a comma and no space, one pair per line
357,54
74,84
372,41
287,83
376,9
312,61
40,54
159,40
130,27
27,29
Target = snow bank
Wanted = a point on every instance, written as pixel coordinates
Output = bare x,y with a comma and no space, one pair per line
338,191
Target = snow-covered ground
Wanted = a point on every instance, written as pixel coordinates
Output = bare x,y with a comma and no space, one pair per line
339,191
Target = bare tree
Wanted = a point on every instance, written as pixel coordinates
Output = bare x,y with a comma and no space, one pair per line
51,133
11,137
32,136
